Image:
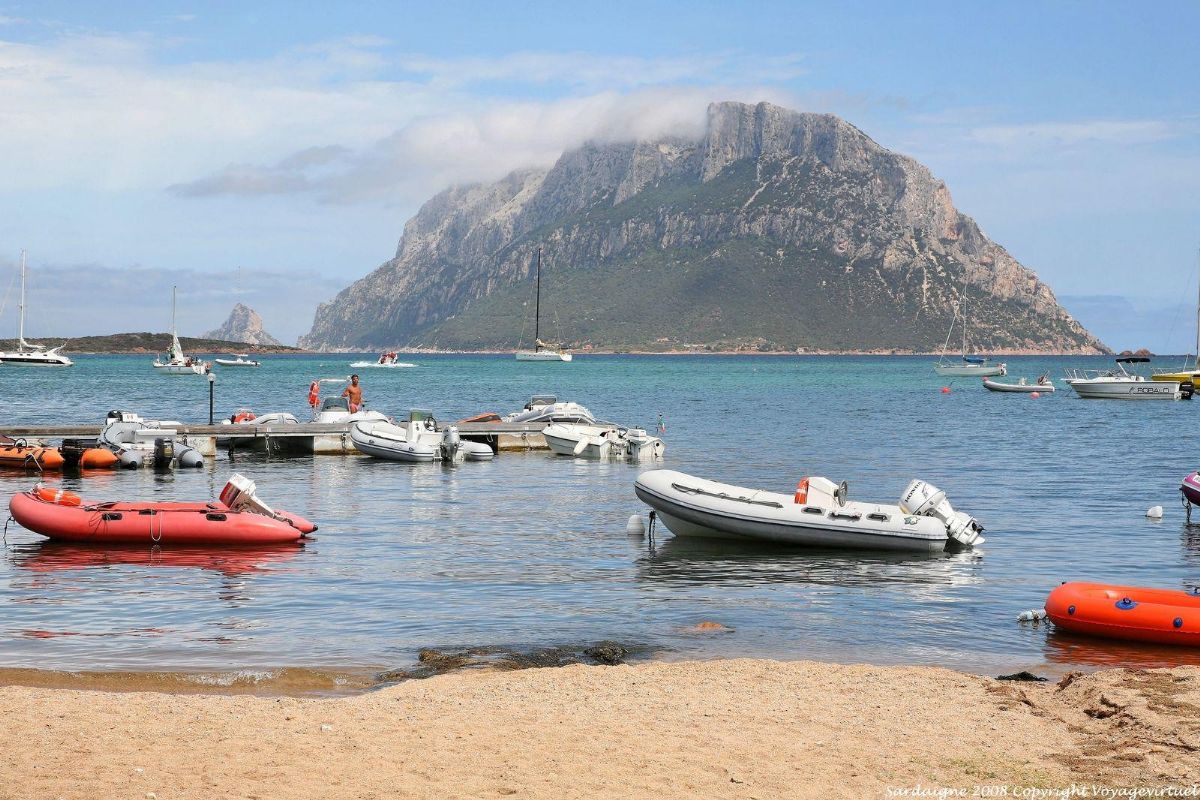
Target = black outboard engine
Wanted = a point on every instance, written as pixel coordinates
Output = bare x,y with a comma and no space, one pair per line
164,453
72,451
1187,389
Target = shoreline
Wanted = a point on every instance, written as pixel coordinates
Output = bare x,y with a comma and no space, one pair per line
756,353
734,728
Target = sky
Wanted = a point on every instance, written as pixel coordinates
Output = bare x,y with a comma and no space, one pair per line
270,152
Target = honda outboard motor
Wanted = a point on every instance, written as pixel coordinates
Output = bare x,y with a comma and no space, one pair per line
452,445
164,453
926,500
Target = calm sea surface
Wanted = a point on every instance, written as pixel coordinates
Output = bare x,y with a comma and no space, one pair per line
530,550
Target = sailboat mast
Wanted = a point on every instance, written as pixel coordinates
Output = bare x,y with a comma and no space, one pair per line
537,304
21,324
1198,312
173,311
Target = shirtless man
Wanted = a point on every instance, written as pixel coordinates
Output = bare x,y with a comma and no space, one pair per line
353,393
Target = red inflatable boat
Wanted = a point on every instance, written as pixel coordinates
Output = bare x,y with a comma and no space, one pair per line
238,518
1167,616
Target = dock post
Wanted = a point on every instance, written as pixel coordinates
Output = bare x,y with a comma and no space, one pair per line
212,381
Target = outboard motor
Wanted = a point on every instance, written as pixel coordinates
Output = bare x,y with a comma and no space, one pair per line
452,445
926,500
1186,390
164,453
238,495
72,451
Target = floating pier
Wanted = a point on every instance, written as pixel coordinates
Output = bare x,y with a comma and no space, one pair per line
307,437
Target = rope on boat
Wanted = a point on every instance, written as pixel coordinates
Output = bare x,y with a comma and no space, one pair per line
723,496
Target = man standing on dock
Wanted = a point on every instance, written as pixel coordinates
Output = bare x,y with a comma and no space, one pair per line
353,393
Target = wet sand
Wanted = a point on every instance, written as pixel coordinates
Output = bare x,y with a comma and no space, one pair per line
735,728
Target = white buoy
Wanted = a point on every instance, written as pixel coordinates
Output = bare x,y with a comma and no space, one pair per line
1154,512
635,526
1032,615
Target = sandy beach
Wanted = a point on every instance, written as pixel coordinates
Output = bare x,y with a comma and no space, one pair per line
735,728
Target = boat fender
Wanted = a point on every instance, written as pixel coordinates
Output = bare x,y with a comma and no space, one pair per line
1033,615
635,526
314,393
59,496
1154,512
802,491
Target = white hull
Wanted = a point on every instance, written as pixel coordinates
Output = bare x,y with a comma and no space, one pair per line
179,369
695,507
414,443
225,362
970,370
1023,388
1124,389
602,442
542,355
35,359
550,411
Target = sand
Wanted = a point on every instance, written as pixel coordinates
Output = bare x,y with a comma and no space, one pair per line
717,729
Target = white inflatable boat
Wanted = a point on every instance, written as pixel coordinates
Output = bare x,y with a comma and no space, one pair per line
602,441
419,439
818,515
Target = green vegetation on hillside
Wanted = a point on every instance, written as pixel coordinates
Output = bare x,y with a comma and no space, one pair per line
149,343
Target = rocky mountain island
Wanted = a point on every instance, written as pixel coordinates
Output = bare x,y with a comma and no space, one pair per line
244,325
775,231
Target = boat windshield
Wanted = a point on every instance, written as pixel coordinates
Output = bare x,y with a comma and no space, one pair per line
419,414
541,400
335,404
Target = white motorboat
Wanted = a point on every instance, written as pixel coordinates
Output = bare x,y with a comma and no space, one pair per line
1043,385
386,361
27,353
176,362
418,439
242,360
541,350
547,408
140,442
818,515
970,366
244,416
1122,384
602,441
336,410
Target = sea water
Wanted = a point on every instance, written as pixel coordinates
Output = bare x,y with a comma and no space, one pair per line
530,550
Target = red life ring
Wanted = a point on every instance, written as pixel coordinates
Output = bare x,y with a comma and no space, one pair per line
59,496
314,394
243,416
802,491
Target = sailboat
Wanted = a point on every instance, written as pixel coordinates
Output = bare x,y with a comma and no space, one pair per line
28,353
1185,374
541,351
177,363
970,366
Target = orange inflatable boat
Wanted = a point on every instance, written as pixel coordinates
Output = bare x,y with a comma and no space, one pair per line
17,453
1166,616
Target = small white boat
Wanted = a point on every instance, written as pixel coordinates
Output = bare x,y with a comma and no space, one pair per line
970,366
385,361
140,442
29,354
547,408
417,440
1042,385
541,350
1122,384
242,360
176,362
244,416
818,515
602,441
336,410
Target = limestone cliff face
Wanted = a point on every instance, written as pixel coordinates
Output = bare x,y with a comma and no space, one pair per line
244,325
777,230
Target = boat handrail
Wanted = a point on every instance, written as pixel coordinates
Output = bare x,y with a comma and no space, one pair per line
723,496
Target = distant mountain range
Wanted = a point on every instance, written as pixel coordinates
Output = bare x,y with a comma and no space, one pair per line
775,231
150,343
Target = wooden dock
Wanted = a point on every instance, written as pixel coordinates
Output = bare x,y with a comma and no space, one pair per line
307,437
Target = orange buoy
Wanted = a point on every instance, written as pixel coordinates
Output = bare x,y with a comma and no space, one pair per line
1035,395
945,390
60,496
1165,616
